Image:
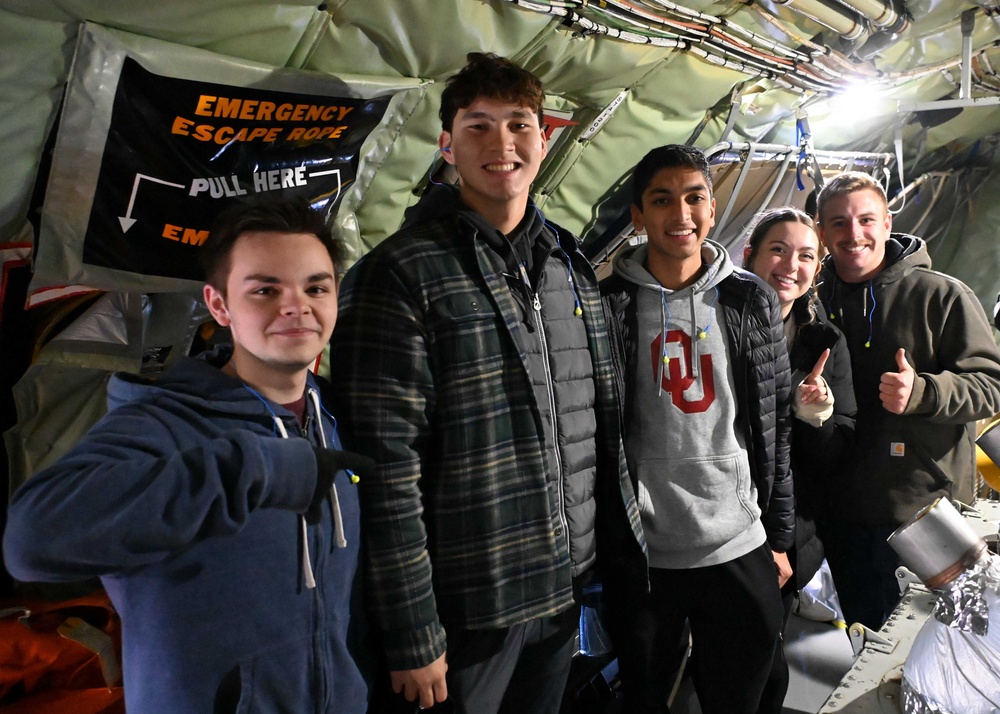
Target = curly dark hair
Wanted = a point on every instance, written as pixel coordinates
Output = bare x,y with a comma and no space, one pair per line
487,75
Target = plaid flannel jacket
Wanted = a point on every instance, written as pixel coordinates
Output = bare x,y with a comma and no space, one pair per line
431,381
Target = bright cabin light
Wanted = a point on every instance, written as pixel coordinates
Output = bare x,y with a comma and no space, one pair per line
853,102
858,103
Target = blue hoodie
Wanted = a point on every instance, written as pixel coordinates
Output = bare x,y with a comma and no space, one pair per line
185,499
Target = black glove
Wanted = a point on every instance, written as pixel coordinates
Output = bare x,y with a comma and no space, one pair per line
328,463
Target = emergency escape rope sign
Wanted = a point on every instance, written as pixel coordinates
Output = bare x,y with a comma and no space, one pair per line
152,144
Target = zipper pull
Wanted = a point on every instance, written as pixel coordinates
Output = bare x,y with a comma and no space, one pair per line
537,304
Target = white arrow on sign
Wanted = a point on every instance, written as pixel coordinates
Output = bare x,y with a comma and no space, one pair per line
127,221
327,173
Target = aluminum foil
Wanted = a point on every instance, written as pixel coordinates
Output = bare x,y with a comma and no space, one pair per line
961,604
916,703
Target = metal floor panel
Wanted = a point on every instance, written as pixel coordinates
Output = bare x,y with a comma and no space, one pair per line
819,654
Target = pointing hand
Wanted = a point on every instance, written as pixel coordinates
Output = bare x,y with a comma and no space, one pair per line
813,389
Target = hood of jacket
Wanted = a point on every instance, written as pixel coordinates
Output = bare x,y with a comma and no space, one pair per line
197,382
630,264
903,254
445,203
440,202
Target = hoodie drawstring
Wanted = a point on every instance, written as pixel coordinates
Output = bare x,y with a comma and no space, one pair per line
523,271
871,314
577,310
865,312
664,326
307,571
696,337
697,334
309,579
339,539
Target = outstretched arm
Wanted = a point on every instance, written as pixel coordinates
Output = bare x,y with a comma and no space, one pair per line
143,485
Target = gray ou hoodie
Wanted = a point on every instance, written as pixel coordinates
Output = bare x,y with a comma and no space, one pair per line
696,496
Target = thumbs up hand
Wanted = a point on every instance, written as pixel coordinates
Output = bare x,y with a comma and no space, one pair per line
896,387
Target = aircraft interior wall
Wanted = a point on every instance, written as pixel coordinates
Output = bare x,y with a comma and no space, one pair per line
758,84
620,79
654,93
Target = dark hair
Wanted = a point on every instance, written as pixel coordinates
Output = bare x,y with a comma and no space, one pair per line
848,182
487,75
667,157
266,215
767,220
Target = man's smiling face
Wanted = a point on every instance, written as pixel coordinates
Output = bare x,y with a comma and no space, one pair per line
677,213
497,148
854,228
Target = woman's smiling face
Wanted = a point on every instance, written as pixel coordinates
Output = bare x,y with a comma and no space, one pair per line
788,259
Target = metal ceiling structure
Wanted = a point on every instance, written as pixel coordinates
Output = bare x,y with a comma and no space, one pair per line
762,85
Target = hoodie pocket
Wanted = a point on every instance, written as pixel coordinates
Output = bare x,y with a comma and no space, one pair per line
281,679
696,502
904,468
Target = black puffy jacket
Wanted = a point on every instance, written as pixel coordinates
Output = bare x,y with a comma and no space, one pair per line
818,453
755,333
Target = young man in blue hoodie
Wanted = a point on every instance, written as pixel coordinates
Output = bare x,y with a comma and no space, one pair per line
704,372
214,502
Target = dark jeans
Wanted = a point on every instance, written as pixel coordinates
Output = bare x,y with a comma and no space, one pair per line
864,571
735,614
515,670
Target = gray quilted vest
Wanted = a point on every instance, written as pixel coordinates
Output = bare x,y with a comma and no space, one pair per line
562,374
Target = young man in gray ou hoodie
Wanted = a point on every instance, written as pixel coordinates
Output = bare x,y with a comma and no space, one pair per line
703,370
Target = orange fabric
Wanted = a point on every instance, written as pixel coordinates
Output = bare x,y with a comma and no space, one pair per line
44,673
78,701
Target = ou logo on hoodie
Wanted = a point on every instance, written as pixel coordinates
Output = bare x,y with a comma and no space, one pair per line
670,374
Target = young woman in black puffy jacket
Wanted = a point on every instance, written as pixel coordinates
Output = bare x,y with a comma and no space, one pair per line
785,251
